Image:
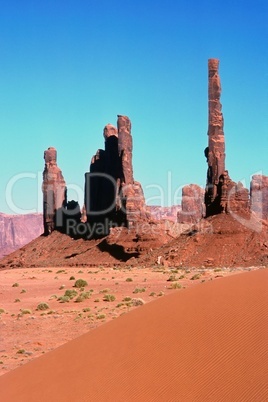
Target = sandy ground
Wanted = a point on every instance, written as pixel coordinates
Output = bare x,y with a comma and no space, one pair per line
27,332
205,343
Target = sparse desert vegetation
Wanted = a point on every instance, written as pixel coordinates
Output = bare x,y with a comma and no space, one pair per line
69,311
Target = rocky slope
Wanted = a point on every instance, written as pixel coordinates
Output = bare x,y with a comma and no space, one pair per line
218,241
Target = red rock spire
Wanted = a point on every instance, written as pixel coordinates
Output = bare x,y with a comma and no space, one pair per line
215,152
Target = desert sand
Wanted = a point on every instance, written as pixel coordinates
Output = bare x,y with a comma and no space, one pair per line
203,343
28,332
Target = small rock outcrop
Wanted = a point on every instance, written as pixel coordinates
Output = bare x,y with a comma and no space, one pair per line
259,196
54,190
159,213
112,197
192,205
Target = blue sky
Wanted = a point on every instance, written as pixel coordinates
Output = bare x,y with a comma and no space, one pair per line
69,67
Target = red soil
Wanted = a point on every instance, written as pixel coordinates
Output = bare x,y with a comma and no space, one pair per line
205,343
41,331
219,241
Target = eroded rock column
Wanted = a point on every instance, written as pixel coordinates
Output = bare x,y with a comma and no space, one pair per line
215,152
111,194
54,190
125,148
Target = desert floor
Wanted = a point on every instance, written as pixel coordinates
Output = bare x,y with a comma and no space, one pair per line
36,316
206,342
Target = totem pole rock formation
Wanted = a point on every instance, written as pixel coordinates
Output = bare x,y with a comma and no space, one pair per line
192,205
222,194
54,190
259,196
215,152
112,197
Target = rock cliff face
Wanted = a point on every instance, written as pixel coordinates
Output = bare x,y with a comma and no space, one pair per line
54,190
259,196
112,197
18,230
192,206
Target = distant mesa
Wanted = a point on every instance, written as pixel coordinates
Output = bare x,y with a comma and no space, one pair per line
18,230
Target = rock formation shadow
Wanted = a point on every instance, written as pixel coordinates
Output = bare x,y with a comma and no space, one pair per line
117,251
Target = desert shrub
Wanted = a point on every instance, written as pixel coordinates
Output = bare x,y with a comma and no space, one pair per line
80,283
42,306
71,293
217,270
72,278
61,271
172,278
16,300
80,272
108,298
137,302
26,311
53,297
139,290
161,293
64,299
101,316
20,351
15,285
182,277
85,310
23,291
83,296
61,287
104,290
129,280
152,294
196,276
127,299
2,310
96,300
175,285
79,299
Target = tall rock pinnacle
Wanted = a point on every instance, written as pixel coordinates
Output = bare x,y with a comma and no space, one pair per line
222,194
215,152
125,147
112,197
54,189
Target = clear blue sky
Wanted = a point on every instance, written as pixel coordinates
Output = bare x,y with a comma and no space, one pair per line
68,67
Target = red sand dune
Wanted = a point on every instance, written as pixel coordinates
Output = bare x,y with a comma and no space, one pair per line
205,343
